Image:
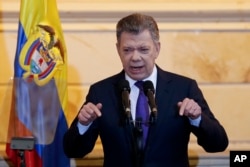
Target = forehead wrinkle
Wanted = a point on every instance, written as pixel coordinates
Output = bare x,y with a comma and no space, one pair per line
142,45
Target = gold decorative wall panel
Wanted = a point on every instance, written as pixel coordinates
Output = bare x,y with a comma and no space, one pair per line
205,40
208,56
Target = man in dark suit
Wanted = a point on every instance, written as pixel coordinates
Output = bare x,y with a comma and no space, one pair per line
181,108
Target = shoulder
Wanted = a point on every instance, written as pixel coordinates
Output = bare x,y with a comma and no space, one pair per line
109,81
170,76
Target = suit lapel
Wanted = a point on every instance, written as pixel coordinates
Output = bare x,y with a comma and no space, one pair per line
163,87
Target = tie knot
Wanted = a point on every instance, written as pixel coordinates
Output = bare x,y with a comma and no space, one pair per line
139,84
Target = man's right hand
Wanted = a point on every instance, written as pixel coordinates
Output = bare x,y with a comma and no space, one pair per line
89,112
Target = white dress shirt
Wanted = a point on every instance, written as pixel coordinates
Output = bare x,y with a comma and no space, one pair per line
134,92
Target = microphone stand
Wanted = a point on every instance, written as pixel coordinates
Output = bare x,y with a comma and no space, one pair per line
136,134
22,144
139,141
135,130
22,158
134,139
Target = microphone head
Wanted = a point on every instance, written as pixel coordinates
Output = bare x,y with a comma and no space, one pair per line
148,86
124,85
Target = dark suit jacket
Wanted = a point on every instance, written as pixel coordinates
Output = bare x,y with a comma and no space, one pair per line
168,139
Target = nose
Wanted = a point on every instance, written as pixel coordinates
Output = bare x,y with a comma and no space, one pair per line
136,55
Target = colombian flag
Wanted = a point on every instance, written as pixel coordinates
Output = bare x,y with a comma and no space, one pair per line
39,93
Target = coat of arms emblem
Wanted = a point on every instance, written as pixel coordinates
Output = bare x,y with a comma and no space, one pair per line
42,55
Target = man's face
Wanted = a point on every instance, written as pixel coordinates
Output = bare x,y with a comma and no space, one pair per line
138,54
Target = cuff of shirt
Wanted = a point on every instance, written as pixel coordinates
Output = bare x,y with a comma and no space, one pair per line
82,128
195,122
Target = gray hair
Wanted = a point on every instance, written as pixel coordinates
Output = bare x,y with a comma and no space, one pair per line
136,23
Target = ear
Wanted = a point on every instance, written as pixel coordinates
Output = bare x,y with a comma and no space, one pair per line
117,48
158,48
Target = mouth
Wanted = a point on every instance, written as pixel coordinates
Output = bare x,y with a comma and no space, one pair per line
136,69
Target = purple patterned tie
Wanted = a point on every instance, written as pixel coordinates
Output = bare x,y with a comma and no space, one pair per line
142,110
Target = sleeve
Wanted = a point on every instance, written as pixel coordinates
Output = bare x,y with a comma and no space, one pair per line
195,122
78,145
82,129
210,134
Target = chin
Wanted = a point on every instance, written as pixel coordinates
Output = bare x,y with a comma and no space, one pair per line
137,77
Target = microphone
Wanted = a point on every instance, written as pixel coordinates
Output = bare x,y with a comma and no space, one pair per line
125,90
149,91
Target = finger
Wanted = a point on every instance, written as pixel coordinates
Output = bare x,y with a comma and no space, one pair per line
193,109
86,112
191,113
181,108
89,110
189,108
99,106
83,118
185,106
94,110
196,112
179,104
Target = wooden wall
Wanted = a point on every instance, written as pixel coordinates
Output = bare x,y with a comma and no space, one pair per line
207,40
